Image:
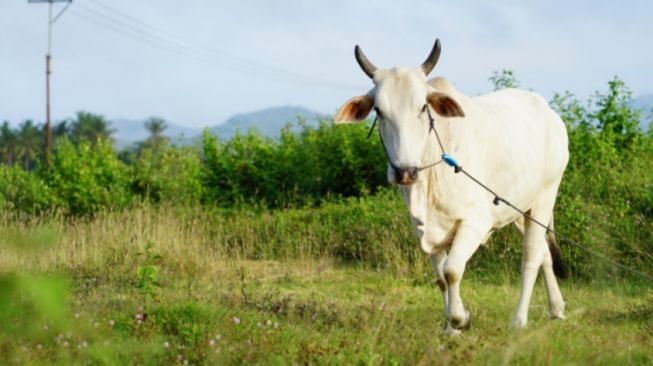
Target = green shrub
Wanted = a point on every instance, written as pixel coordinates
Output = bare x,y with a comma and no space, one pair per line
168,175
23,191
327,161
88,178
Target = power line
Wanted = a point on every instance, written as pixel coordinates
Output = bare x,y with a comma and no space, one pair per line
132,27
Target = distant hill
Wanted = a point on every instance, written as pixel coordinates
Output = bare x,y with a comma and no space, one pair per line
268,122
130,131
645,103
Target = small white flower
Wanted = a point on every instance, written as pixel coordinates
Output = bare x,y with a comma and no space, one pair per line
268,322
185,362
276,325
139,316
218,337
166,344
39,346
180,357
65,343
211,343
259,324
112,322
236,320
84,344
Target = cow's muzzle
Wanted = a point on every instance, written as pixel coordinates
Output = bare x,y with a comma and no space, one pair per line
406,176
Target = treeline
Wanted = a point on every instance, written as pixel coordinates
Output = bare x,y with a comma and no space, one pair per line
298,169
88,174
25,145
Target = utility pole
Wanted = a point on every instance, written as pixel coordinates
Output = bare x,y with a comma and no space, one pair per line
48,71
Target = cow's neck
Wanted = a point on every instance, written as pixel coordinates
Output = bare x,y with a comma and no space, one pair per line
426,199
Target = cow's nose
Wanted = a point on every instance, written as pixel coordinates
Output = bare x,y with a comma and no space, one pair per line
406,176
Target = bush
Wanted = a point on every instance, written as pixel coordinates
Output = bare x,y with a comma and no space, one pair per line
24,192
88,178
299,169
170,175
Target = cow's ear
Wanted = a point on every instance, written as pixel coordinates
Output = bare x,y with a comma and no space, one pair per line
444,105
356,109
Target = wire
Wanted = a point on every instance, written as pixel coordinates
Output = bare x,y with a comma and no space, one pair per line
132,27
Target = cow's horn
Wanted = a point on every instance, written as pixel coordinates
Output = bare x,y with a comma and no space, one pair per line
364,63
430,61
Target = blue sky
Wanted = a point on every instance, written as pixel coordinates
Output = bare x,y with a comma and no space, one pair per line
196,62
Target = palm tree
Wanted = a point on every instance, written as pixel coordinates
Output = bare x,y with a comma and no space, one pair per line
155,126
90,127
7,143
61,129
30,143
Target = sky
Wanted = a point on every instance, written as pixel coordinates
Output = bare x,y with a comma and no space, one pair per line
197,62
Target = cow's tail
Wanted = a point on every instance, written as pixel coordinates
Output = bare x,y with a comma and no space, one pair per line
559,267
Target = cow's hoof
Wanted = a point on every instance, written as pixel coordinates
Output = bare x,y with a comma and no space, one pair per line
461,324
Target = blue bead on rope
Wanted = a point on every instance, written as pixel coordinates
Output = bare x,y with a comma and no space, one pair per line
449,160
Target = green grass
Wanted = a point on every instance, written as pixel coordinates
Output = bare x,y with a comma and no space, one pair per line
211,303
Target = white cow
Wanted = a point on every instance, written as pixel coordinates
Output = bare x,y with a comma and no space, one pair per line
510,140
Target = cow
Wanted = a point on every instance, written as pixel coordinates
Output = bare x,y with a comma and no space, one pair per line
510,140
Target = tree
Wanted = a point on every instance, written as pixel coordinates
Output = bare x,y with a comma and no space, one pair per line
30,143
7,143
616,120
503,79
155,126
90,127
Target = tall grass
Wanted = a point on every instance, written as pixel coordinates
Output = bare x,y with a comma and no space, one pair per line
341,284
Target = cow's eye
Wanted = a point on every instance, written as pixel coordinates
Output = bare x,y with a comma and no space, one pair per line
378,112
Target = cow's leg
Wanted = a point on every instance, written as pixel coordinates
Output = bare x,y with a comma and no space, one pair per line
465,243
437,262
556,303
533,250
535,253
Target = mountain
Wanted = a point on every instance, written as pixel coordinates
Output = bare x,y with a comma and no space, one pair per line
268,122
645,103
129,131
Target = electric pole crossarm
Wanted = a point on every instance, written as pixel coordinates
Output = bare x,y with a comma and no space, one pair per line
62,11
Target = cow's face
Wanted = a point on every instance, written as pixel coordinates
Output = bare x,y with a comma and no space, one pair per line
403,100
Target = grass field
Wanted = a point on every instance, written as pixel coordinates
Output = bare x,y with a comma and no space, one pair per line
88,297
